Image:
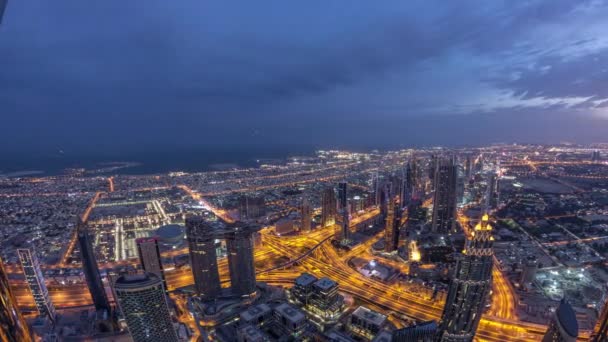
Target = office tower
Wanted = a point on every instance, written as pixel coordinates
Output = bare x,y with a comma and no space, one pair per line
142,299
35,281
203,257
493,191
328,207
479,163
342,232
13,327
391,231
90,268
432,170
149,257
600,332
251,208
423,332
469,286
306,216
468,168
291,322
239,243
325,301
595,156
444,200
342,195
563,326
366,323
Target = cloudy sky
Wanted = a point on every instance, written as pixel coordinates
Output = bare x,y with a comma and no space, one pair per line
114,74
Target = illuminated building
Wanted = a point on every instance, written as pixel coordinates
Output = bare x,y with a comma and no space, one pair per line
468,168
251,208
444,200
423,332
391,231
13,327
149,257
469,286
563,326
342,232
306,216
90,269
35,281
328,207
291,321
325,302
600,333
239,243
203,257
143,303
493,191
366,323
303,288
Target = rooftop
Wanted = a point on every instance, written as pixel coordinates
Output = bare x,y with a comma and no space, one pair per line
369,315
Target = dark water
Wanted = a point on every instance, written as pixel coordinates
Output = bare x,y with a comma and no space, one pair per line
150,161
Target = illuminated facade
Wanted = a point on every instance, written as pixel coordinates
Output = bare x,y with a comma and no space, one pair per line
306,216
13,327
35,281
203,257
469,286
393,222
328,207
444,200
143,302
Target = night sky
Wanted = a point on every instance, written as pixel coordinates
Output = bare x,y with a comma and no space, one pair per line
119,75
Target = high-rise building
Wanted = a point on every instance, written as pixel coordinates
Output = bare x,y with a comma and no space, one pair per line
528,273
595,156
469,286
90,268
342,232
468,168
393,223
493,191
203,257
563,326
342,195
35,281
328,207
444,200
306,212
251,207
600,333
13,327
239,243
149,257
143,303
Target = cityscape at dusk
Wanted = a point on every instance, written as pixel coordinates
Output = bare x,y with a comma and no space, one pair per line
395,171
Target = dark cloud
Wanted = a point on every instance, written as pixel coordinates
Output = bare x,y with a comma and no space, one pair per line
110,74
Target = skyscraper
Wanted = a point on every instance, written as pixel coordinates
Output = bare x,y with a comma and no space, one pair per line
563,326
342,196
149,257
13,327
423,332
203,257
493,191
342,232
306,215
600,333
393,222
328,207
251,207
469,286
143,303
90,268
444,200
239,243
35,281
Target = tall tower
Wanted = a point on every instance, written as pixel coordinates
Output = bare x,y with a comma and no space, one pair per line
563,326
342,232
35,281
239,243
600,333
143,302
149,257
203,257
393,222
306,216
444,200
342,195
469,286
90,268
13,327
328,207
